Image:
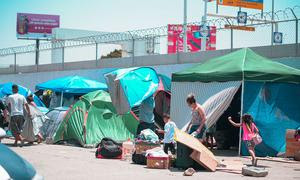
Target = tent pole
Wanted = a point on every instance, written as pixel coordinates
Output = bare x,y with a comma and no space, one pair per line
242,109
61,98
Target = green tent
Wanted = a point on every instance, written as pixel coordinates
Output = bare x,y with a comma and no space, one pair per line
269,91
93,118
240,65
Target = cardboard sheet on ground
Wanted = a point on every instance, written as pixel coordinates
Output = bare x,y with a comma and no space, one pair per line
201,154
231,166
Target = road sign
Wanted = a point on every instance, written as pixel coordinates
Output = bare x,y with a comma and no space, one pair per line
253,4
242,17
243,28
277,37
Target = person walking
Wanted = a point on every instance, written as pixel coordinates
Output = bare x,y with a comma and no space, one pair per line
3,114
31,129
250,131
16,104
197,126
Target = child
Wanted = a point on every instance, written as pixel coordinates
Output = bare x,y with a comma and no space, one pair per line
168,132
249,132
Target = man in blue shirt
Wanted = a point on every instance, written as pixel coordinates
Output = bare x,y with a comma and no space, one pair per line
146,115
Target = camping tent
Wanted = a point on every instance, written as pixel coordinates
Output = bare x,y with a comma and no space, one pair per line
6,89
55,116
270,92
93,118
130,87
71,85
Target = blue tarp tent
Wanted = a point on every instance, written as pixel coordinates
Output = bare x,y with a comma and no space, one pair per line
275,108
129,87
72,84
6,89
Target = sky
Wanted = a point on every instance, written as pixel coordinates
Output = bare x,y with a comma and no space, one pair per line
110,15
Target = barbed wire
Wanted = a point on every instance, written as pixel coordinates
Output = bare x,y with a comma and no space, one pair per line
259,19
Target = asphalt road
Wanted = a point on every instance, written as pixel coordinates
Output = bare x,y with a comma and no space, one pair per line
66,162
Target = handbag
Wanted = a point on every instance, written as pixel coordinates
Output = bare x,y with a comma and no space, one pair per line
257,139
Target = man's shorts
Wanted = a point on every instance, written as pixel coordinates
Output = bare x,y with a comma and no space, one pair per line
16,124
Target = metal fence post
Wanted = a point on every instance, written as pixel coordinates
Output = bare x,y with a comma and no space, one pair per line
63,58
96,54
297,21
15,63
37,54
132,47
231,35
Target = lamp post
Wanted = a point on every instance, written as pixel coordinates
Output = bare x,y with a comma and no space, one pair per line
204,24
185,26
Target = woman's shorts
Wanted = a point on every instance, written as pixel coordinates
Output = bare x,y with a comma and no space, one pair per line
195,127
250,144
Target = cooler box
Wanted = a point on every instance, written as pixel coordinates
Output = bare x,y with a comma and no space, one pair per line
158,162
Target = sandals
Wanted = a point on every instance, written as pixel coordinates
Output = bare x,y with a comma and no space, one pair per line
254,162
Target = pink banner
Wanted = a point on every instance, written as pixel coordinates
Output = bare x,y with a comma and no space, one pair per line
36,25
175,38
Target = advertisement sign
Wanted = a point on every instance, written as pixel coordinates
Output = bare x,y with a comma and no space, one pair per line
194,35
36,26
252,4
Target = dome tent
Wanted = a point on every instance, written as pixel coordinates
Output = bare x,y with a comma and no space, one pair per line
93,118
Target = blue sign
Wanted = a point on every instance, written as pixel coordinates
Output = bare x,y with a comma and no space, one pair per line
204,31
242,17
277,37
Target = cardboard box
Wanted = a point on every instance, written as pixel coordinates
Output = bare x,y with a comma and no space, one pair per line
204,159
292,145
158,162
290,134
142,147
201,154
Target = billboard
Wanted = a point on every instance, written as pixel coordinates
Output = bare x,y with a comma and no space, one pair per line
36,26
252,4
175,38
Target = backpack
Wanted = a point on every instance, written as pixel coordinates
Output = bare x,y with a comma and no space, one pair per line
139,158
108,148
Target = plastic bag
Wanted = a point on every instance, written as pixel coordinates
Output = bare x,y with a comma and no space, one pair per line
257,139
156,152
149,135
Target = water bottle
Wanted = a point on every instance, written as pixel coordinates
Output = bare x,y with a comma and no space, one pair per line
127,150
